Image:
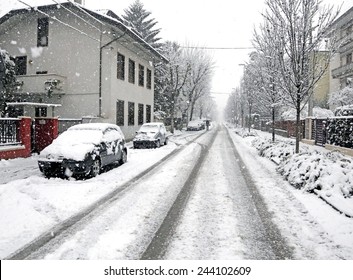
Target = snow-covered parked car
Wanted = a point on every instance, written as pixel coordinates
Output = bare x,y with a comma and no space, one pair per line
83,150
151,135
195,125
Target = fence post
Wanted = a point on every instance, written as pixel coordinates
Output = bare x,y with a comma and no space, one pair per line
25,134
46,130
308,128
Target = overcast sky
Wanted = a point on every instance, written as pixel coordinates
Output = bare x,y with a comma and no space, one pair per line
203,23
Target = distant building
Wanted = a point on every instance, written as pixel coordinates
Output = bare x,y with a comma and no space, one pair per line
74,62
322,87
342,64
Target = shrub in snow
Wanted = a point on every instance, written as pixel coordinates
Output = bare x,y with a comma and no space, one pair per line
244,132
330,173
318,112
276,151
326,172
346,110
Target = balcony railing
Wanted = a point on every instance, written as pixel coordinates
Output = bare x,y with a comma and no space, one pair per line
343,70
346,43
42,83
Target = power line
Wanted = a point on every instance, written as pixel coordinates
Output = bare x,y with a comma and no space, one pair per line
83,10
67,9
218,48
54,18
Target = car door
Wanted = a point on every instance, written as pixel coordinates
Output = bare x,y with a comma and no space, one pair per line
163,133
103,153
110,142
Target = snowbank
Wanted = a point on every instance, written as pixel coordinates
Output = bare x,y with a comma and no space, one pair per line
329,174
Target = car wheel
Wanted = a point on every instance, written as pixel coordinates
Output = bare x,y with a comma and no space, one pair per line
123,157
158,143
95,168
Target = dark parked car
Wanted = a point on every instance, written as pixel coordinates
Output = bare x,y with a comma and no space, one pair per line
83,150
151,135
195,125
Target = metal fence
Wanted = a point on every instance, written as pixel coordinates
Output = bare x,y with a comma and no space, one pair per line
9,131
336,131
318,132
284,128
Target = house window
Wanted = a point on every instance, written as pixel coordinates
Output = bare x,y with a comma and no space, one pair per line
140,114
141,75
349,58
121,67
21,65
131,116
42,32
149,79
120,113
131,71
41,112
148,113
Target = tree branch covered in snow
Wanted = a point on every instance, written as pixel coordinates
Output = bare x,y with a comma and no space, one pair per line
341,97
302,27
8,81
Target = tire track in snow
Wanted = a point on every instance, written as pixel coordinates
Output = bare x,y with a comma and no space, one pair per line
159,244
62,230
225,217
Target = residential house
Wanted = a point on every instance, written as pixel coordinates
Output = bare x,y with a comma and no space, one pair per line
73,62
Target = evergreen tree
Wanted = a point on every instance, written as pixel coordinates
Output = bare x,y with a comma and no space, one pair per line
138,18
8,81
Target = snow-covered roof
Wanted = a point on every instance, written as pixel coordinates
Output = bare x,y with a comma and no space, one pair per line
342,20
14,104
108,17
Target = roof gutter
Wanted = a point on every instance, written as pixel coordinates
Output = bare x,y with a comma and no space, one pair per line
100,71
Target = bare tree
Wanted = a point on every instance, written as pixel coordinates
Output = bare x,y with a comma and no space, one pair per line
177,72
205,107
234,109
198,83
251,84
302,25
267,43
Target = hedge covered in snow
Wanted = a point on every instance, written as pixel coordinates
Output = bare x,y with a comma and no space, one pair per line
340,132
326,172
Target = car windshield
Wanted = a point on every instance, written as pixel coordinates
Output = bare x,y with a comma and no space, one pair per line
151,128
75,137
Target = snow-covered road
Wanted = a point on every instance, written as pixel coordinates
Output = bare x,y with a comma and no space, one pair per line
221,220
30,204
239,207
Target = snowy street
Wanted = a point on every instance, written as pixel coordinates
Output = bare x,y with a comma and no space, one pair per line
211,197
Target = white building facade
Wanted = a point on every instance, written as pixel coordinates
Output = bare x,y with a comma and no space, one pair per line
342,64
88,62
